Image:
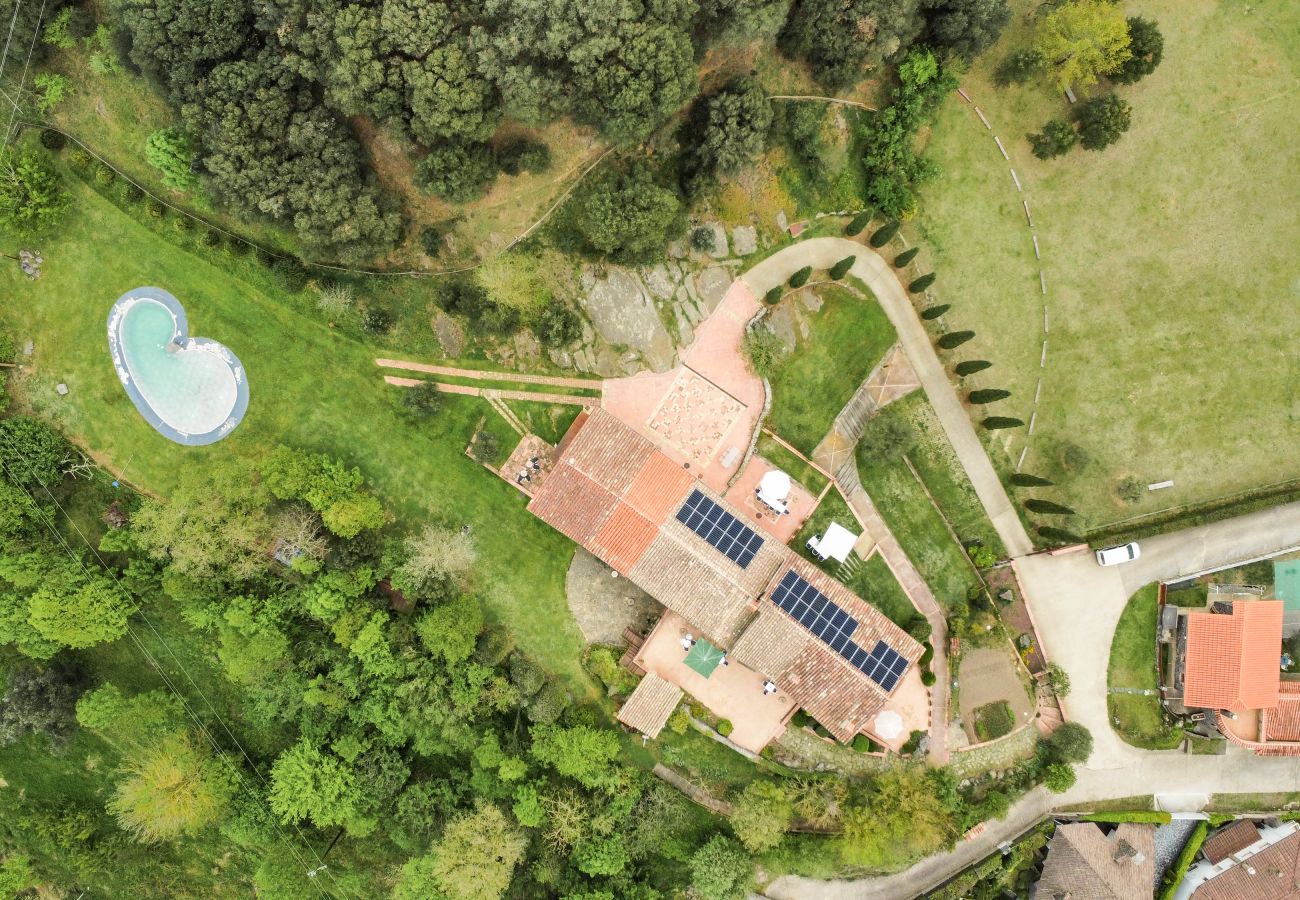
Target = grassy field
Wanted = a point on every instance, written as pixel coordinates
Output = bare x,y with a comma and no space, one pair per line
913,519
847,338
311,386
792,465
874,581
1170,276
1133,665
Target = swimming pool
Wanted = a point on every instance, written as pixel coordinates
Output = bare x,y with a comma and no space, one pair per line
191,390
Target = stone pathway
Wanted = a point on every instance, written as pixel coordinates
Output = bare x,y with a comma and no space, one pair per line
890,380
469,391
590,384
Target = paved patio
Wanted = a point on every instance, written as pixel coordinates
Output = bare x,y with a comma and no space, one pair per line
783,528
518,464
911,700
703,413
732,692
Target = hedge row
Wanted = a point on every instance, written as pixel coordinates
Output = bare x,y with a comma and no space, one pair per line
1137,815
1201,515
1178,870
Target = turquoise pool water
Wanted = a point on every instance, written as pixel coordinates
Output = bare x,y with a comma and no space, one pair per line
193,389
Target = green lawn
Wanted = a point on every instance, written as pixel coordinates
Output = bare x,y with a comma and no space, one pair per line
874,581
831,509
1133,665
792,465
311,386
993,720
847,338
1168,260
916,523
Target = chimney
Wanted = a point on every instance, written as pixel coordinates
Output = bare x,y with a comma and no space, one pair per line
1124,851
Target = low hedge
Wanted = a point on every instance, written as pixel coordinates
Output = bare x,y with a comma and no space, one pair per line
1154,817
1178,870
724,727
1203,514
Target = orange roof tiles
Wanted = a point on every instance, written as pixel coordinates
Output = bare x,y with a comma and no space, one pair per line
625,535
572,504
658,488
1232,660
1231,838
1282,723
1272,874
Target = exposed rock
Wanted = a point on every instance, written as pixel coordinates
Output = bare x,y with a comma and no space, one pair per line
561,358
678,249
719,250
744,240
450,335
711,285
810,301
781,322
659,281
685,333
630,362
624,315
781,221
584,360
527,347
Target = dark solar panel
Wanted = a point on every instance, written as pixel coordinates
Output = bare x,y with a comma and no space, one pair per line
725,532
829,623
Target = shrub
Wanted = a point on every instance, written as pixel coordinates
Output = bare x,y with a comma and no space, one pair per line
971,366
1140,816
558,325
861,743
993,423
1131,490
422,401
920,629
238,247
1059,680
913,740
680,721
290,273
705,240
774,295
265,258
1058,778
1019,67
857,223
800,278
1047,507
527,678
79,159
53,140
724,727
927,654
132,192
763,350
982,556
548,705
1022,479
800,719
1057,138
1071,743
841,268
155,208
927,678
988,395
431,240
208,238
524,155
921,283
377,320
334,298
183,224
884,234
954,339
906,257
1175,874
485,448
104,175
934,312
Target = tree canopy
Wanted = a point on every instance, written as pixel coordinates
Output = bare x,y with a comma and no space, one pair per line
1082,40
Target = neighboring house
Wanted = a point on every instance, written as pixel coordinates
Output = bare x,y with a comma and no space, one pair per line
612,491
1226,661
1243,862
1085,863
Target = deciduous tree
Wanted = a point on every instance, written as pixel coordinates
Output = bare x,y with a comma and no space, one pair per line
474,859
170,790
1081,40
967,27
762,815
720,870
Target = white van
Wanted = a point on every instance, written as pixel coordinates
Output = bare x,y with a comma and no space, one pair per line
1116,556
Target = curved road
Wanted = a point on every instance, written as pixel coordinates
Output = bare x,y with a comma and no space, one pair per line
1076,606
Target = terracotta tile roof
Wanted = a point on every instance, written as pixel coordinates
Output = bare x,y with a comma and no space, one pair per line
1232,660
607,452
625,535
650,705
659,487
1083,863
572,504
1271,874
1282,723
1230,839
821,681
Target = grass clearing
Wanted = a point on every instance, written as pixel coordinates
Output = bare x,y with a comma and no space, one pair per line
1166,257
846,339
874,581
1133,665
792,465
312,387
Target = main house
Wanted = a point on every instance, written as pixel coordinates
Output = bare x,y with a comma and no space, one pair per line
781,628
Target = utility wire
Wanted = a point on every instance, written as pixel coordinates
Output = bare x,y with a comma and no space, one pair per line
152,660
36,33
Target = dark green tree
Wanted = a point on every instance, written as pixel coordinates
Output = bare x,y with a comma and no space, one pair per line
920,284
38,700
31,196
1047,507
857,223
32,452
885,233
971,366
800,277
954,339
906,257
458,172
830,35
841,268
628,217
1071,743
993,423
726,131
1024,479
988,395
1102,121
967,27
720,870
935,312
524,154
1057,137
1147,45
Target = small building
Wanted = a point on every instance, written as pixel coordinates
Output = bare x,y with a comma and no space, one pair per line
1236,867
837,543
1085,862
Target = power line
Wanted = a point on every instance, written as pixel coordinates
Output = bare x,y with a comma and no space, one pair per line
36,33
152,660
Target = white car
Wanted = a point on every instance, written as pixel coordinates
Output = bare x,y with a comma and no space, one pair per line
1115,556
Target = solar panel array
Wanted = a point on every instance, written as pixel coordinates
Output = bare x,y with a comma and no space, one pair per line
733,538
828,622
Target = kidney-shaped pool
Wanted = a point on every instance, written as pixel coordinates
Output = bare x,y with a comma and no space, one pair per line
191,390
